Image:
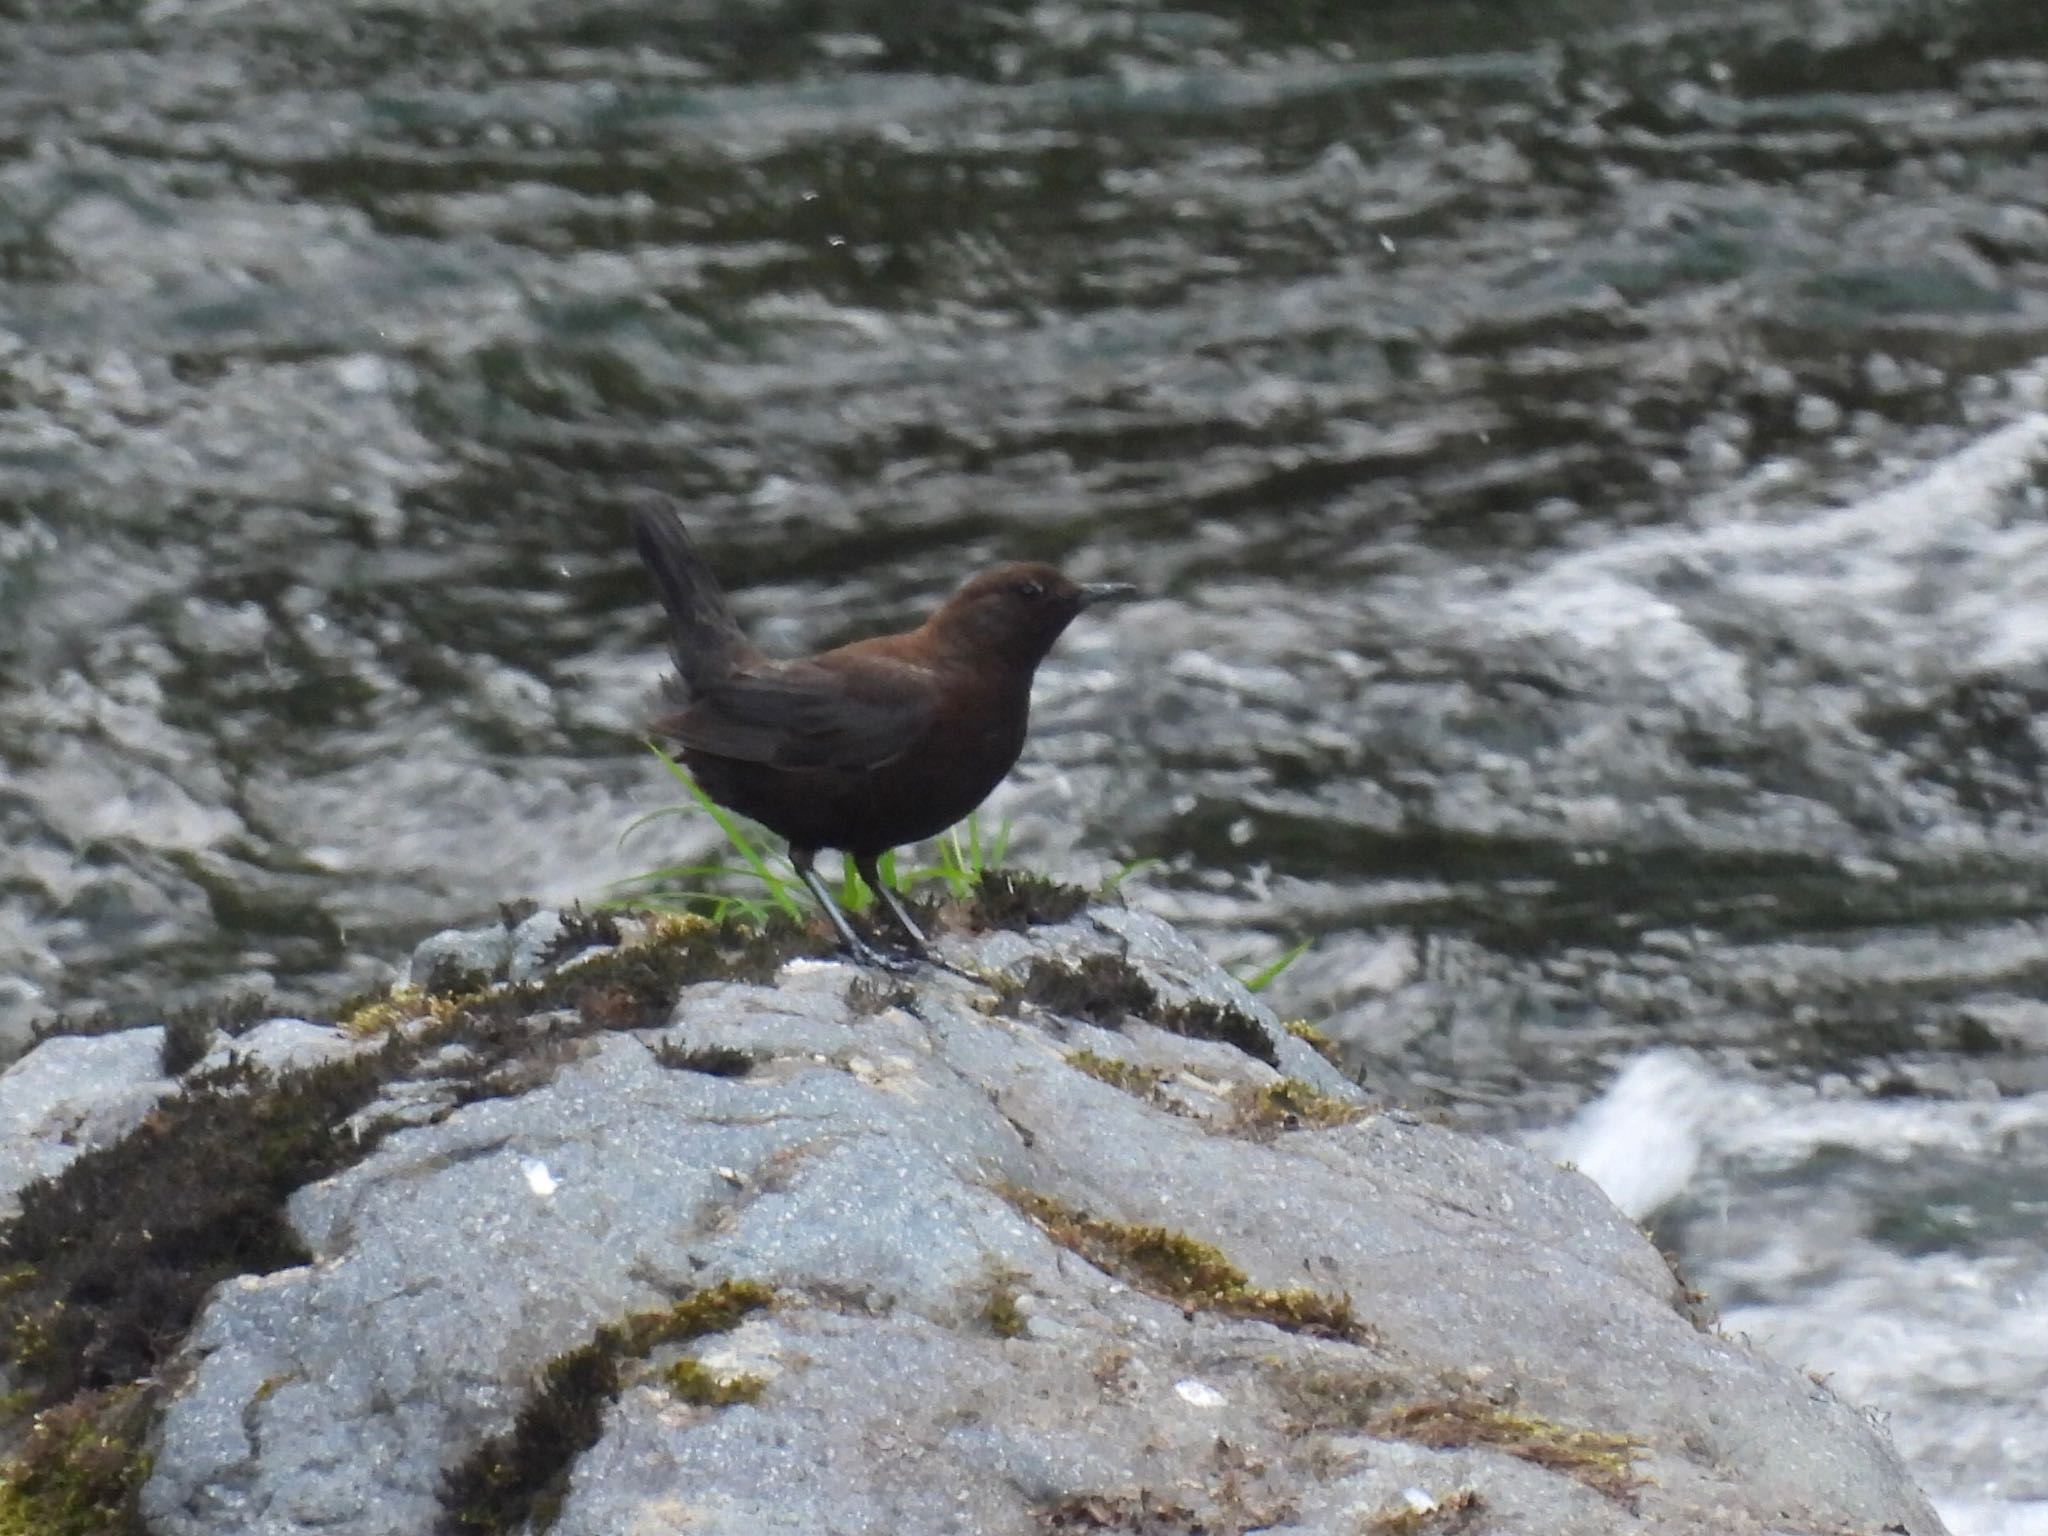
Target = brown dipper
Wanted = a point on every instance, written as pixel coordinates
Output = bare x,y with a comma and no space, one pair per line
873,744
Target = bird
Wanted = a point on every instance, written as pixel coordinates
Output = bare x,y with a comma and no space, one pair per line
867,746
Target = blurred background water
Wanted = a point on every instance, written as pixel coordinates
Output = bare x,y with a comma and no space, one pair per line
1587,459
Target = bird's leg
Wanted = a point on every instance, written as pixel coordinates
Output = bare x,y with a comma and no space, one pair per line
869,871
863,951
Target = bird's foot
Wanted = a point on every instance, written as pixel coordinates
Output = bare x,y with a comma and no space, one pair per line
881,959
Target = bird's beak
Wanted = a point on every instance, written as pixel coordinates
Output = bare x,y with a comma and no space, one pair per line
1104,591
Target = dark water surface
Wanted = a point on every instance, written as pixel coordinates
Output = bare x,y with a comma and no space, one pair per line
1586,460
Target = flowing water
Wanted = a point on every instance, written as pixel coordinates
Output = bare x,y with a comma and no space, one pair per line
1588,461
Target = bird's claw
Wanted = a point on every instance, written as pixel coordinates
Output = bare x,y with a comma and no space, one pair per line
882,960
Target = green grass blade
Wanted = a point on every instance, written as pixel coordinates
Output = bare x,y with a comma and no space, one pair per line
1268,973
778,888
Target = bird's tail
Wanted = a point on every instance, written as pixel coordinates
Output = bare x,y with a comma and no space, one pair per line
703,633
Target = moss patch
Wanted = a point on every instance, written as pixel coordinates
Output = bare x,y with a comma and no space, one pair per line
637,987
1014,899
1102,989
518,1479
1231,1504
1127,1075
1107,990
1212,1021
696,1383
1603,1462
1292,1105
1361,1402
580,930
1000,1314
1192,1274
711,1060
120,1249
369,1016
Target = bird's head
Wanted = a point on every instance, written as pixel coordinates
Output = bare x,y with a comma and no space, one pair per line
1016,612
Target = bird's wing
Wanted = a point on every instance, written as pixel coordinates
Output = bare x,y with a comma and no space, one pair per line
810,714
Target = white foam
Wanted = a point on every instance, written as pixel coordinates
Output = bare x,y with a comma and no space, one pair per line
1642,1141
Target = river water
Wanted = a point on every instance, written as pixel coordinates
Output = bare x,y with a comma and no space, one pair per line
1587,461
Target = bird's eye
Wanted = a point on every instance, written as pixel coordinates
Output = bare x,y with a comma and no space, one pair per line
1031,589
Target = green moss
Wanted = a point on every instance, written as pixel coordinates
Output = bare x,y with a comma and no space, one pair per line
1290,1105
1126,1075
369,1015
1603,1462
517,1480
1192,1274
695,1383
1000,1313
1108,991
79,1470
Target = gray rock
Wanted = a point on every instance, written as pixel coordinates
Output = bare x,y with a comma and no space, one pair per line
70,1094
869,1168
486,951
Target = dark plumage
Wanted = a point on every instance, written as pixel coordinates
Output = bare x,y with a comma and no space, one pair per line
867,746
